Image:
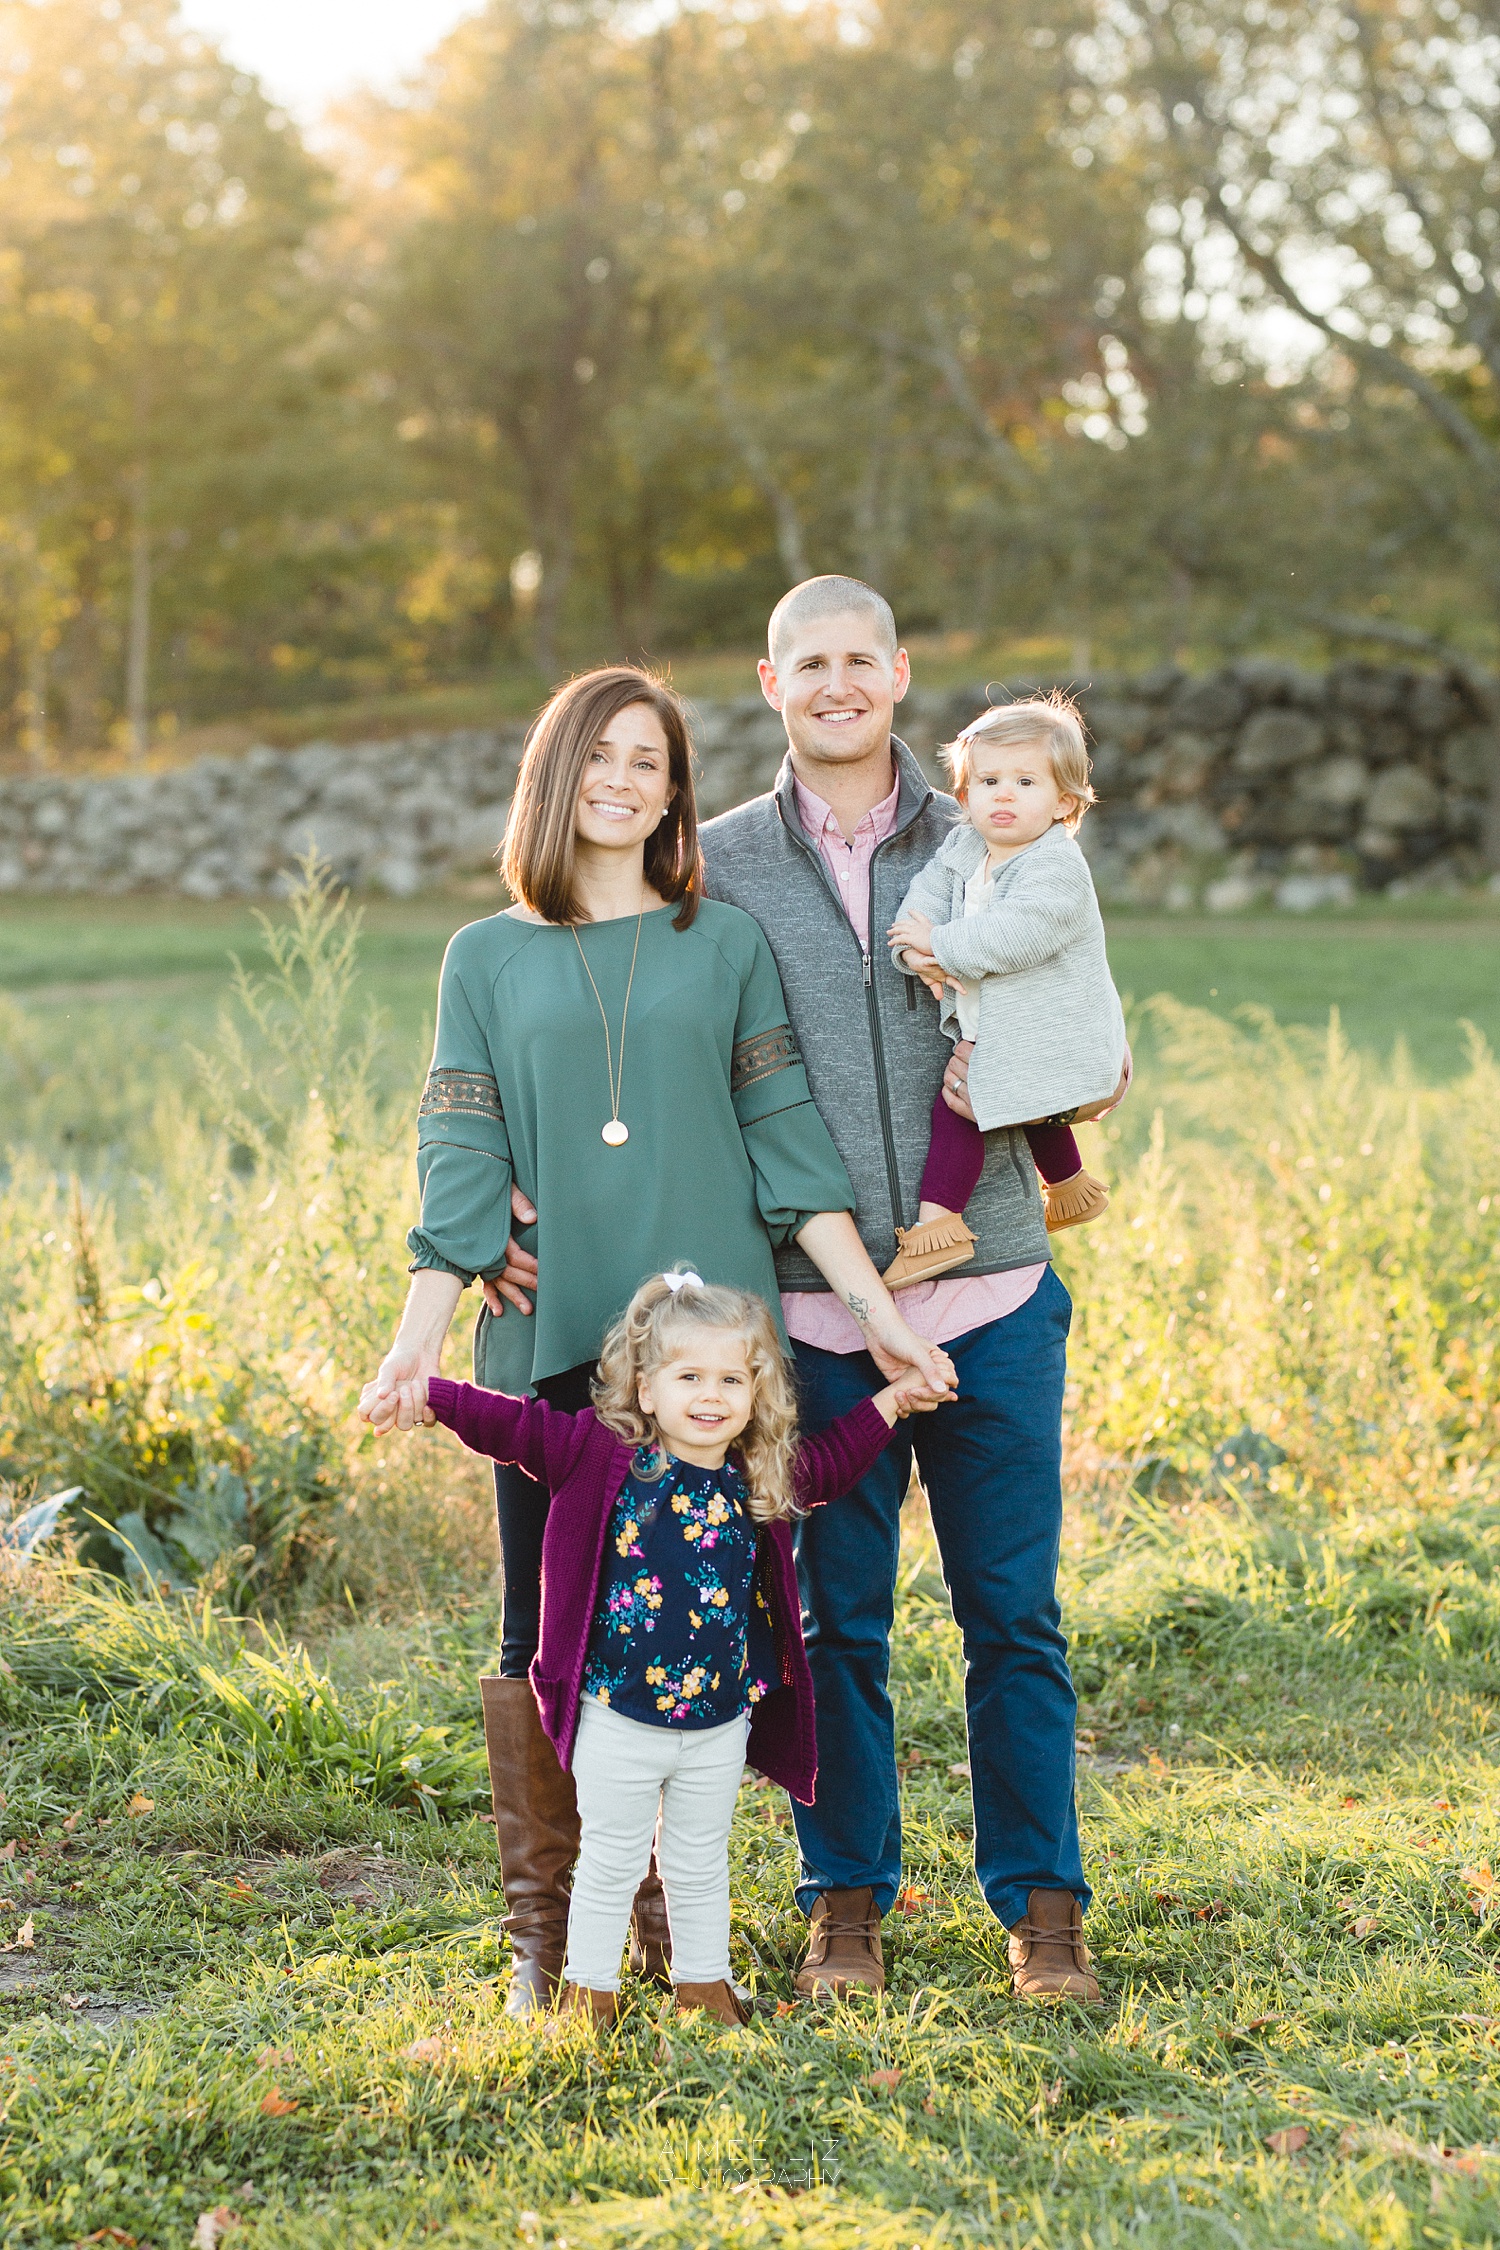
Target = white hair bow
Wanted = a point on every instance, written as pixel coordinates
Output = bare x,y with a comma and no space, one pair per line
676,1281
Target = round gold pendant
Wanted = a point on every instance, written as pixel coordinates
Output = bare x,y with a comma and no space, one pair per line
615,1133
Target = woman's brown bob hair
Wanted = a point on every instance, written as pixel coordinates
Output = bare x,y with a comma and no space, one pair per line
540,842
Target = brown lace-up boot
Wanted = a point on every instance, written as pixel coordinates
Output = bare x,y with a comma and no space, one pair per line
720,2001
536,1828
650,1936
1047,1952
843,1946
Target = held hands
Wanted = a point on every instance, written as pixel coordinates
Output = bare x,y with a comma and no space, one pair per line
397,1399
898,1400
907,1358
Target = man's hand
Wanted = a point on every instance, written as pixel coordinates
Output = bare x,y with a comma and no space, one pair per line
956,1081
520,1270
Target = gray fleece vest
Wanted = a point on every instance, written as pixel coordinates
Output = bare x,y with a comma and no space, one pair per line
869,1034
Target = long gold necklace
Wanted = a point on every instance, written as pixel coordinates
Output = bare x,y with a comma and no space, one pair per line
616,1131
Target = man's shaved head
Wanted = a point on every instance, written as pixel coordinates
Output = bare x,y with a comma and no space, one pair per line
832,596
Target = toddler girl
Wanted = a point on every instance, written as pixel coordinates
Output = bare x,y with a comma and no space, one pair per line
1005,914
671,1639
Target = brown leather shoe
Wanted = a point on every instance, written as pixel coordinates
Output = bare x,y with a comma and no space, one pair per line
598,2008
536,1829
924,1251
650,1935
1075,1202
720,2001
843,1946
1047,1952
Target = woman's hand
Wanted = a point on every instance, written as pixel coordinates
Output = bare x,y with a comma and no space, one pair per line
397,1399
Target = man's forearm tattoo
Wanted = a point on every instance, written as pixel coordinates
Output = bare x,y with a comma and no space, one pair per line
860,1307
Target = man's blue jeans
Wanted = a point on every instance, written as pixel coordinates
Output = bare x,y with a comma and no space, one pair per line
992,1464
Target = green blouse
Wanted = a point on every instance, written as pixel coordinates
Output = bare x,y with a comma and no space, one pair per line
726,1155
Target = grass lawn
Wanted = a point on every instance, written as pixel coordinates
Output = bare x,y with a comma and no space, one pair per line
251,1947
249,1989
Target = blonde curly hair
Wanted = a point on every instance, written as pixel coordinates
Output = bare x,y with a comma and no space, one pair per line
654,1329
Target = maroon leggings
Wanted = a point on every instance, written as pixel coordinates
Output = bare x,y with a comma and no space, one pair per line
955,1156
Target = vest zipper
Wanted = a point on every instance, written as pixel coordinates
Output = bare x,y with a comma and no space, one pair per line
872,1002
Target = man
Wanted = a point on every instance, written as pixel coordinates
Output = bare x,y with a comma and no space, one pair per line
823,863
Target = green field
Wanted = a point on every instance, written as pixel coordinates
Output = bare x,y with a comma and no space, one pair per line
251,1955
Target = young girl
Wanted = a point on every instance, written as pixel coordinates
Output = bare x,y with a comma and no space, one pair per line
1005,914
671,1640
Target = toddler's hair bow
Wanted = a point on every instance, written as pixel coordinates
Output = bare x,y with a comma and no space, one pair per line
689,1280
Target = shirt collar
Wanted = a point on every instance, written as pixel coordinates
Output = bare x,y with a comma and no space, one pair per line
816,816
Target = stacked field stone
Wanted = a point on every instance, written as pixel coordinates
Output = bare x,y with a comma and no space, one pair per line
1256,781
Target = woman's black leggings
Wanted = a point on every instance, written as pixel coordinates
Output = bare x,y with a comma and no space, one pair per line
521,1506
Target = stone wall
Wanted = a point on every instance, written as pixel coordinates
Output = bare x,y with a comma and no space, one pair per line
1255,782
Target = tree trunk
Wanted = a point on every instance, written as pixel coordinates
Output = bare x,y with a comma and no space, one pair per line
34,698
138,644
790,544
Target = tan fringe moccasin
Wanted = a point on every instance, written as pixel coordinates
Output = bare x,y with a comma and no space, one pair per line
1073,1203
925,1251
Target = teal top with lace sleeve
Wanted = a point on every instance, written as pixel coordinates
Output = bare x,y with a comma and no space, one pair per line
726,1156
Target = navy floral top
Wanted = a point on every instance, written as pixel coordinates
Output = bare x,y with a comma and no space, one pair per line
682,1634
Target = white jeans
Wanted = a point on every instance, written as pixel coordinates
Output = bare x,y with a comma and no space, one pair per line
627,1775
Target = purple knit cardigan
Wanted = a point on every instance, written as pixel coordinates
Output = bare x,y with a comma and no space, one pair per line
583,1465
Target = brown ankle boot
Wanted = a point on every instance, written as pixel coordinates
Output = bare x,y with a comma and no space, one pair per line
536,1828
720,2001
1047,1952
650,1936
598,2008
1073,1203
843,1946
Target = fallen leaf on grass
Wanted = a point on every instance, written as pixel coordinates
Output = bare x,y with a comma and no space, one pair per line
275,2104
959,1772
75,2000
274,2058
71,1822
212,2226
1365,1924
911,1900
1348,1803
1288,2140
1165,1898
108,2234
1478,2023
1481,1887
1047,2098
1256,2023
24,1939
139,1805
929,2107
8,1851
1215,1911
884,2081
786,2007
424,2051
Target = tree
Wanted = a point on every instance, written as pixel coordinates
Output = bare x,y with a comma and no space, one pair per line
153,301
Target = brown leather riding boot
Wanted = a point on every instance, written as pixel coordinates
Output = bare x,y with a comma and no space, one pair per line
536,1828
843,1947
1047,1952
720,2001
650,1936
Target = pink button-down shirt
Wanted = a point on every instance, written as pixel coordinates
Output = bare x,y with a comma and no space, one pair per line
938,1310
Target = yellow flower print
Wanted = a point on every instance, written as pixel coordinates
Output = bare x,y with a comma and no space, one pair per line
692,1532
753,1691
717,1510
665,1702
655,1675
681,1505
719,1597
695,1621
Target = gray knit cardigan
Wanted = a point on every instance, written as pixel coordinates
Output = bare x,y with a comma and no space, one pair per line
1051,1029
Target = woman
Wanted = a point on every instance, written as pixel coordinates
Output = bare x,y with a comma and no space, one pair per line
617,1047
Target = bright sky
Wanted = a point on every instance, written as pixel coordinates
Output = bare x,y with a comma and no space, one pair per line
307,52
